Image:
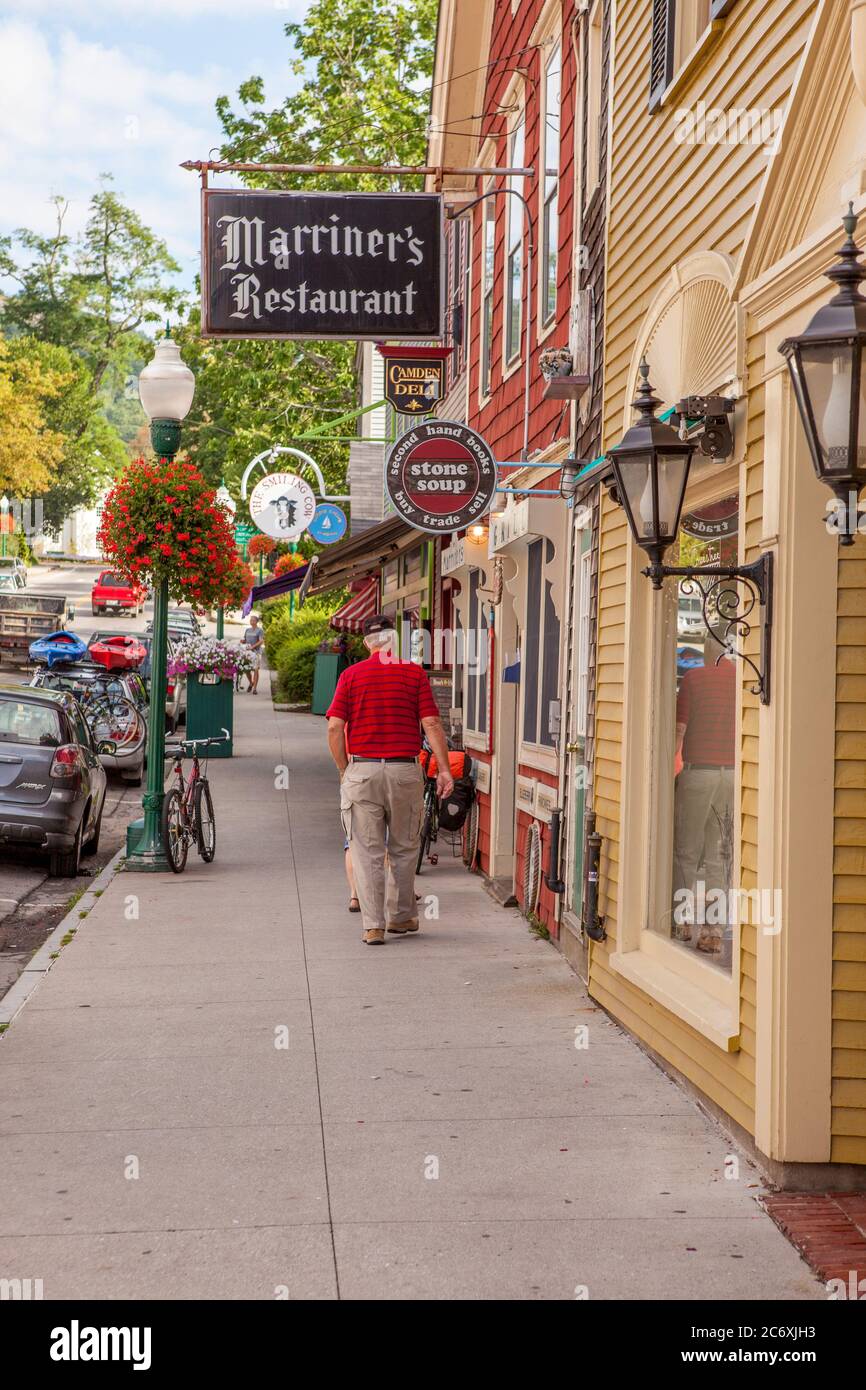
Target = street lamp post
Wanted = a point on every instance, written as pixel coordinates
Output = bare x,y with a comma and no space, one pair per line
166,387
225,500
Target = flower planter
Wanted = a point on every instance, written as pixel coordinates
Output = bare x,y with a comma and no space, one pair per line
209,710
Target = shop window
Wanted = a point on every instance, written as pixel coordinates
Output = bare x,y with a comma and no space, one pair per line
550,185
583,643
514,248
697,906
540,662
474,656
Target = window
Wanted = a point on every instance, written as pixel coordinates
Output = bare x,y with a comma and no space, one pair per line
696,907
540,660
489,206
459,299
475,658
593,101
676,29
583,634
550,184
514,246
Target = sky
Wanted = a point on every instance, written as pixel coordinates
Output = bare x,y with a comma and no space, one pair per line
126,87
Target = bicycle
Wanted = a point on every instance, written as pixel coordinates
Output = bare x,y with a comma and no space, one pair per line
187,809
430,822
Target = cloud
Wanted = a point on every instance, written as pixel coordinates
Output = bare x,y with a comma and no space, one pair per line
72,108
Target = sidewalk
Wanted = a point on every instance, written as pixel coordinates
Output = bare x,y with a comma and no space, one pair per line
308,1171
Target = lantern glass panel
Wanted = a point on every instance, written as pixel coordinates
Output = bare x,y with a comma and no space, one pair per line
635,478
673,471
827,370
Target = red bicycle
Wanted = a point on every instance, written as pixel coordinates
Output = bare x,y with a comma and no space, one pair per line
187,810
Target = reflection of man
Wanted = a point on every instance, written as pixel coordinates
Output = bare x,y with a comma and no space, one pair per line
706,730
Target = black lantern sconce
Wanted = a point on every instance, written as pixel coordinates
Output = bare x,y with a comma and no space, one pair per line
651,467
827,363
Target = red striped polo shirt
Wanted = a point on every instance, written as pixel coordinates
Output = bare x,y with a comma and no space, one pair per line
383,703
706,704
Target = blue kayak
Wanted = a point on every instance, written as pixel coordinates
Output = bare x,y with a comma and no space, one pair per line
56,648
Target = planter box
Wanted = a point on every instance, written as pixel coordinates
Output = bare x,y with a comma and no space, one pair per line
209,710
328,669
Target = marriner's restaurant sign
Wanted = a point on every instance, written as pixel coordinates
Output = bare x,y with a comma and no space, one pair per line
321,265
441,476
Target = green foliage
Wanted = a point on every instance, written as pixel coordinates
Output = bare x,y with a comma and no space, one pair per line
95,293
366,66
365,100
291,643
90,450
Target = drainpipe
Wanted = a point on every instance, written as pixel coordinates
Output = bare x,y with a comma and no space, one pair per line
555,884
593,924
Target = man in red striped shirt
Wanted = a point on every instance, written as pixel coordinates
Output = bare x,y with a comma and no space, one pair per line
384,702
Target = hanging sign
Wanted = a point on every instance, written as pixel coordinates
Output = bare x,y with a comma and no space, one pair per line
413,386
321,265
282,505
441,476
328,524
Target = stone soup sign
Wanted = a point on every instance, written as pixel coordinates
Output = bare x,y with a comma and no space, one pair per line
441,476
321,265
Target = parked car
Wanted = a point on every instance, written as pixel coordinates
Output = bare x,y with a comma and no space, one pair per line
114,594
175,692
182,621
10,581
115,707
13,564
690,616
52,782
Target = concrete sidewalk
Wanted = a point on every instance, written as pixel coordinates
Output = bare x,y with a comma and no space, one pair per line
430,1131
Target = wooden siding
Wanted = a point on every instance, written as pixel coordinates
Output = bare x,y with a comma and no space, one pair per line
668,200
848,1143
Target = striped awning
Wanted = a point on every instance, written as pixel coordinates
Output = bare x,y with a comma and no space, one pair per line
361,605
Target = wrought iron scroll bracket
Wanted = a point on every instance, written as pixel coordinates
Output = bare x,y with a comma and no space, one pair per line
729,597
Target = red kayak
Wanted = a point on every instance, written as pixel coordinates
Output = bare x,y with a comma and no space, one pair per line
118,653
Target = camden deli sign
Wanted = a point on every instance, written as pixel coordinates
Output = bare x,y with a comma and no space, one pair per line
321,265
441,476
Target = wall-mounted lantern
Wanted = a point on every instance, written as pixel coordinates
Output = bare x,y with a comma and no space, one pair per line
651,471
827,363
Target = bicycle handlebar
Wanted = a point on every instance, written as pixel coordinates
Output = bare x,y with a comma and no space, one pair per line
172,749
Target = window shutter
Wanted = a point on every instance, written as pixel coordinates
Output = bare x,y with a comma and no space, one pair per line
662,52
719,8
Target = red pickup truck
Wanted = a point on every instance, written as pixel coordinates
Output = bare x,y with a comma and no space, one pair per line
113,594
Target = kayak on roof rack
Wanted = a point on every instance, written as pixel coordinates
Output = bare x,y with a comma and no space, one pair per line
57,647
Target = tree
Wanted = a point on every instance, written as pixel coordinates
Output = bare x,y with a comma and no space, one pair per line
95,293
29,449
366,65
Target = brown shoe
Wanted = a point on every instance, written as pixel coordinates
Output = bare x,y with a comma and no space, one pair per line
401,928
375,937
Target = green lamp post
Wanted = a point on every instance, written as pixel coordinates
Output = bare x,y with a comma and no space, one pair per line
166,387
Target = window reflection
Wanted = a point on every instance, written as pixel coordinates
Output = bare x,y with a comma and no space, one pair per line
703,905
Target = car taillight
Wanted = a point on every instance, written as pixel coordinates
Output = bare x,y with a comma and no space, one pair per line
66,761
169,689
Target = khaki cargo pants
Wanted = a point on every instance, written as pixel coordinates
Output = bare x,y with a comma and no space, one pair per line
382,805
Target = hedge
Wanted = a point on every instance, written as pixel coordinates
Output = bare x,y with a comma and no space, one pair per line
291,646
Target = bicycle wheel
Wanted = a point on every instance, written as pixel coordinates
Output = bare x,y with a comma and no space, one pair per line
428,827
205,824
174,833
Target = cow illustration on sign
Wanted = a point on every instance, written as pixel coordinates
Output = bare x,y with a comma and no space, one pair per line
282,505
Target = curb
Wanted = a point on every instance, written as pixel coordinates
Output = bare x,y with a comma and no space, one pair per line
39,964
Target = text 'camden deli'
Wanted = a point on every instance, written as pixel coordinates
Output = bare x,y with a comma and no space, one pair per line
322,265
441,476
